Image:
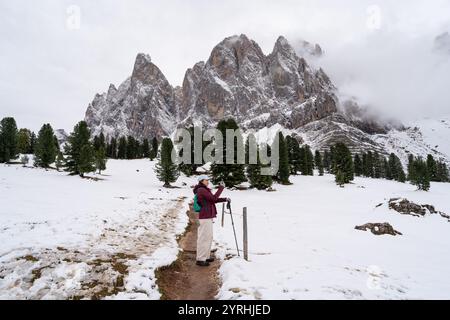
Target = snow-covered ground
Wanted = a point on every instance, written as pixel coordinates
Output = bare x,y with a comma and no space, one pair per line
65,237
303,244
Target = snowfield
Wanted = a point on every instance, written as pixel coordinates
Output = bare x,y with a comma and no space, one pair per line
66,237
303,244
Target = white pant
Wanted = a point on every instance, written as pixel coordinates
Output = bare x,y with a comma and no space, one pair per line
204,239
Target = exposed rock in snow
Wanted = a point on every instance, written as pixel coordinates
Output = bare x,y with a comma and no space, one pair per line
379,229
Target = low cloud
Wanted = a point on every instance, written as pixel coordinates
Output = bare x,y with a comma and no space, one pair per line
380,52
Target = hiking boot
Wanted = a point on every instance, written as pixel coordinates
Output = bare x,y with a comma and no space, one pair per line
210,260
203,263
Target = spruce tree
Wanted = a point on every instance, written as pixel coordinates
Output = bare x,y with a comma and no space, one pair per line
411,168
100,160
343,162
166,169
45,149
112,148
86,161
327,160
432,168
358,165
387,169
319,162
309,161
256,179
421,176
294,154
231,174
154,149
378,166
8,139
79,150
396,168
122,149
32,143
283,154
131,148
145,148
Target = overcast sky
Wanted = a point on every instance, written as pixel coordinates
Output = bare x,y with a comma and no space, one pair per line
53,61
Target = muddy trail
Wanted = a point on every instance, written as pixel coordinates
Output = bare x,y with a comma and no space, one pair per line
98,270
183,279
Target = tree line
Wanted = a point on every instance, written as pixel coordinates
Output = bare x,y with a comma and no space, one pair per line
297,159
81,154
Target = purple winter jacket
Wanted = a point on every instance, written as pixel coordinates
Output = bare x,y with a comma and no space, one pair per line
207,200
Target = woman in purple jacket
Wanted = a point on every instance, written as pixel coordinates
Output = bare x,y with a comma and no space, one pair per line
207,200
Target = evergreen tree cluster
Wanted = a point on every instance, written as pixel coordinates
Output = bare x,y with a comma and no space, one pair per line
374,165
421,172
128,147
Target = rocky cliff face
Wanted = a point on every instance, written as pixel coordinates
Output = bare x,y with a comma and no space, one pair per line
143,106
239,81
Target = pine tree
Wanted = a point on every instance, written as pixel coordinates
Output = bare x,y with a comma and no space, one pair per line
86,162
309,161
327,160
256,179
421,177
145,148
113,148
432,168
154,149
45,150
396,168
343,162
318,162
8,139
166,169
358,165
387,169
442,171
59,162
32,143
131,148
411,168
80,154
23,141
100,160
294,154
231,174
340,178
284,170
122,150
378,166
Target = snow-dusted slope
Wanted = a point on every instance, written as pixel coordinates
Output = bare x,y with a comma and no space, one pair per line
64,237
303,245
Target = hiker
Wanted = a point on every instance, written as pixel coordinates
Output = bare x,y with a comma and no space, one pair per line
206,200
